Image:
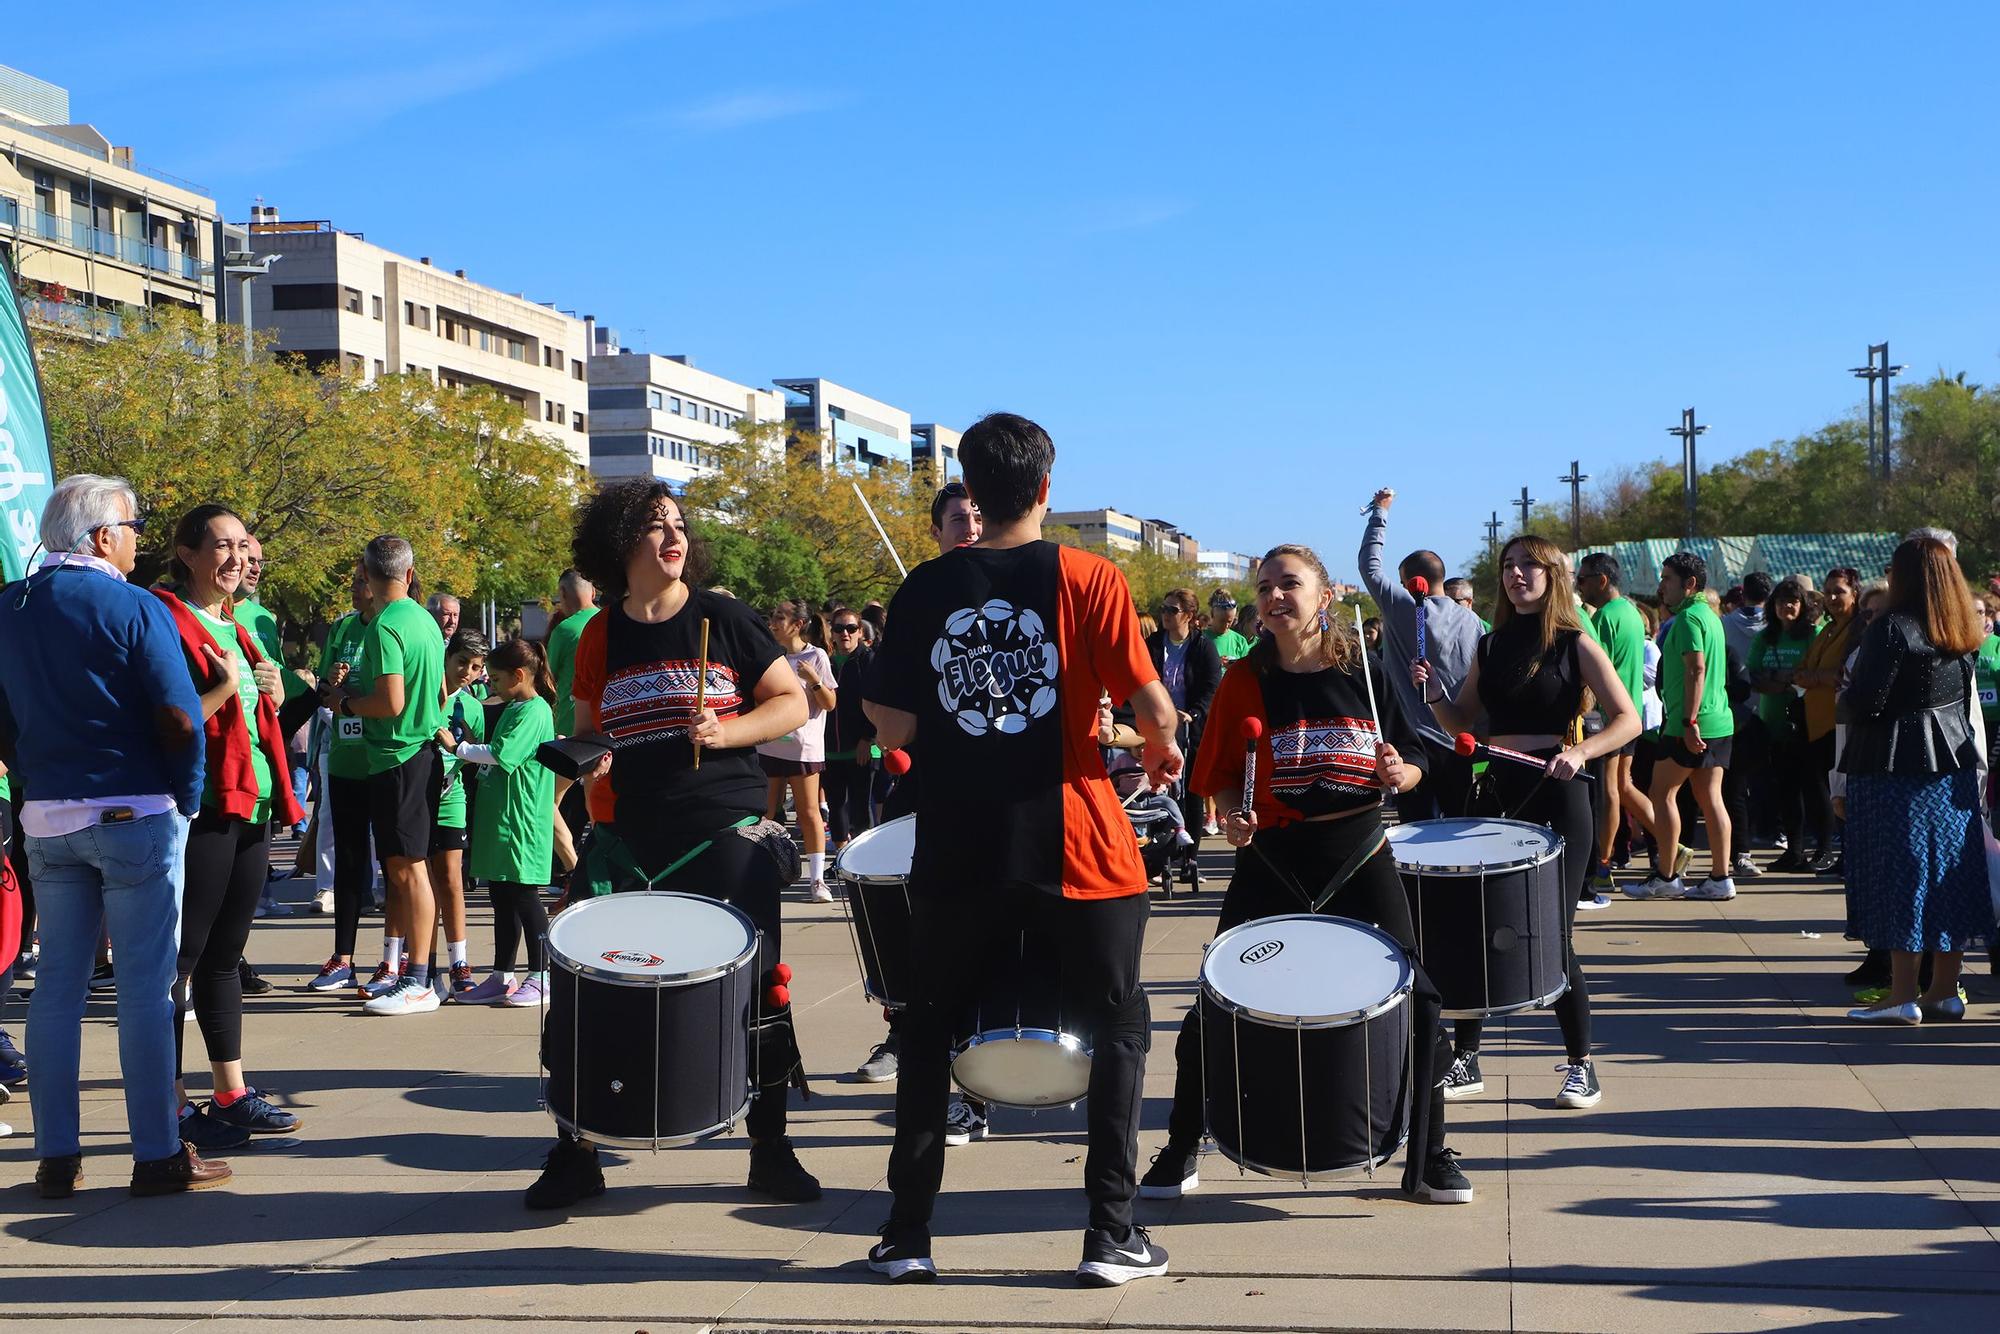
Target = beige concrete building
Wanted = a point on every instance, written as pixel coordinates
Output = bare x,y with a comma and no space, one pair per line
95,235
936,445
333,296
853,428
661,417
1105,529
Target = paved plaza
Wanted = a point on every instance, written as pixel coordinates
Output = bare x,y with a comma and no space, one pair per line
1758,1163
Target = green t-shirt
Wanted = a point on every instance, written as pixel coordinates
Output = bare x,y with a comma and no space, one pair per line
465,716
6,788
403,640
1621,632
562,665
346,756
514,837
1696,629
1985,677
263,627
224,634
1768,654
1229,644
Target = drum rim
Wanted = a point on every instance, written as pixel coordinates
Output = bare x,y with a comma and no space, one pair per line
1476,868
1344,1020
650,1142
1069,1042
1501,1010
841,872
1369,1165
580,968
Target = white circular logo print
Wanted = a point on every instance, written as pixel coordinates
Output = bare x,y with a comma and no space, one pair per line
996,668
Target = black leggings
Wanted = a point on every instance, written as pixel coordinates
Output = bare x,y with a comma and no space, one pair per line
1799,785
225,871
956,930
353,872
1310,854
517,909
1520,793
846,786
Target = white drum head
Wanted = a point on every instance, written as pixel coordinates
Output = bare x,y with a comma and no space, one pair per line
650,938
1322,971
1023,1068
883,853
1471,845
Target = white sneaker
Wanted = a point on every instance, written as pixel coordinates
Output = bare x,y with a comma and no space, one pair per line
1593,903
1714,890
323,902
406,997
820,893
1653,887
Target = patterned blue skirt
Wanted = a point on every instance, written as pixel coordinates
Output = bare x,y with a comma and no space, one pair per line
1916,862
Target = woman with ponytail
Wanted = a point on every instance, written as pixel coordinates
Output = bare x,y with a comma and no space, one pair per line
229,844
513,830
1312,840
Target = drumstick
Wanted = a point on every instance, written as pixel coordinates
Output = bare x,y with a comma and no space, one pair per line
1368,680
1252,729
700,689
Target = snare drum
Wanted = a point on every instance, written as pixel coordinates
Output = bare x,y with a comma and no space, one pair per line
1015,1046
1487,901
875,871
1305,1045
646,1041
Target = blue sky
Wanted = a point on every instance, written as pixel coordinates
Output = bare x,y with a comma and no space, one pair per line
1246,262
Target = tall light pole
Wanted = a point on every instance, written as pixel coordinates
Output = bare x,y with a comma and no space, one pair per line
1878,368
1523,502
1690,484
1576,477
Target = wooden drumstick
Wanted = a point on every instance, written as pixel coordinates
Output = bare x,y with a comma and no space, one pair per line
700,690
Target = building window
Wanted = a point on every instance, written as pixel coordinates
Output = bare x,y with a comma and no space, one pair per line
303,296
416,316
576,422
707,417
657,399
351,300
674,406
376,302
378,368
575,369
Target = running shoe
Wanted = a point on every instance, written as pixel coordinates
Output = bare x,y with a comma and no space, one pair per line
1463,1079
881,1065
775,1170
1870,995
1442,1182
1210,829
964,1123
13,1065
820,893
207,1134
408,996
1602,883
28,965
323,902
1579,1086
1110,1262
570,1175
333,975
461,980
1682,856
1713,890
903,1255
253,1113
1593,902
1744,869
490,992
384,980
1653,887
250,980
1176,1171
530,993
103,978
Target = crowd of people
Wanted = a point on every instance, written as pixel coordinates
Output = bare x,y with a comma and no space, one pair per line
155,739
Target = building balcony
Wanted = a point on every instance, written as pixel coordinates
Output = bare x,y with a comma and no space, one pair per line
53,229
73,318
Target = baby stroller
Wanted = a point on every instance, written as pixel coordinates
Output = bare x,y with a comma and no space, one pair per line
1164,843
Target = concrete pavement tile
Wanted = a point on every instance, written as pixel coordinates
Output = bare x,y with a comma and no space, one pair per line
463,1289
1663,1106
1719,1161
1691,1308
1257,1302
851,1297
1966,1163
121,1291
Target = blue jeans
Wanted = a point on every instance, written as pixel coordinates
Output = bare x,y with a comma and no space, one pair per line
127,877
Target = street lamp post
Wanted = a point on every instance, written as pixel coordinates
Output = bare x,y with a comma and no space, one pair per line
1523,502
1878,368
1576,477
1690,479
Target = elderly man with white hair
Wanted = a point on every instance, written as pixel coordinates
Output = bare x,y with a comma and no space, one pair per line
100,721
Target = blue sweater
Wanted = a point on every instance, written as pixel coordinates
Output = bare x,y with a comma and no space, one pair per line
86,666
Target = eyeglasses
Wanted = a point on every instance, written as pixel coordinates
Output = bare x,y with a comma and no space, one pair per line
136,525
851,629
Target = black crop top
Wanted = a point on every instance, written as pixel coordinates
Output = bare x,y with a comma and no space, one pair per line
1526,691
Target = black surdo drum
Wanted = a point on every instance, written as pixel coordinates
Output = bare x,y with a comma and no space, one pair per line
1487,903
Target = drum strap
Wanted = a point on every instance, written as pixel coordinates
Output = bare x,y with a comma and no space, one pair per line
610,860
1355,860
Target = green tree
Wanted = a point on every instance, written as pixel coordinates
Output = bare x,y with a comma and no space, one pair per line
770,567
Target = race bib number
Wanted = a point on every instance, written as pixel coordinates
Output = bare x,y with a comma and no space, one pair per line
1989,696
350,728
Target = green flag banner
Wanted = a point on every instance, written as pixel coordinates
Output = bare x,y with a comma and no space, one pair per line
27,475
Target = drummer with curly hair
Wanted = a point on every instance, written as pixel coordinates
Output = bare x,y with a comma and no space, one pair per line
660,820
1312,840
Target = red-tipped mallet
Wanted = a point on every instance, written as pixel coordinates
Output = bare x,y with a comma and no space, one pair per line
1471,748
1253,728
897,762
1422,588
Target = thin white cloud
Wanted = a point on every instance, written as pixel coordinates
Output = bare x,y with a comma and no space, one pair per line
735,111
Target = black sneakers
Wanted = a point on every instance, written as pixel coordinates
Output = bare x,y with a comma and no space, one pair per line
209,1134
775,1170
1109,1263
570,1174
1463,1079
1443,1183
903,1255
1579,1086
58,1178
1176,1171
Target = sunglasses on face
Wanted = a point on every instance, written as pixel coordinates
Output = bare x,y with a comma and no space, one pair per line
847,629
136,525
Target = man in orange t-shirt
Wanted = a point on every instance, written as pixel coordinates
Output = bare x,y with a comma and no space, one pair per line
998,656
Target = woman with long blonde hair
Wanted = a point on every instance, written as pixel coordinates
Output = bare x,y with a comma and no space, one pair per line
1324,765
1526,687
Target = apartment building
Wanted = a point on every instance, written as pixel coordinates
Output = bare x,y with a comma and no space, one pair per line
1104,529
334,297
1166,539
853,428
936,445
661,417
1226,567
95,235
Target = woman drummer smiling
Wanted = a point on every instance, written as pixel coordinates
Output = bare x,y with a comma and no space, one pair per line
1312,841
